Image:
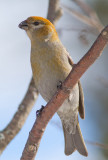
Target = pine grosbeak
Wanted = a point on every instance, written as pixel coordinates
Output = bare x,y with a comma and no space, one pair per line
51,64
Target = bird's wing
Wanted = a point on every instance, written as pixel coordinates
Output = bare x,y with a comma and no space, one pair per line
81,95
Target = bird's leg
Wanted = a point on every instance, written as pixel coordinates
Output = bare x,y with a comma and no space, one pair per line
38,112
73,65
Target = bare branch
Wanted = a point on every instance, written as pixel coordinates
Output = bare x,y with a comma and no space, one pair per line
19,118
53,105
54,11
103,146
78,15
86,8
89,142
91,13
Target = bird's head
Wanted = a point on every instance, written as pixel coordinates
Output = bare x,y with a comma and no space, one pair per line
39,28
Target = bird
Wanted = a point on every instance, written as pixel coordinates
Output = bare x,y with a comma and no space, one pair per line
51,64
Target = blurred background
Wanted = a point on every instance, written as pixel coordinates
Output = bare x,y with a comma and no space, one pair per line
15,75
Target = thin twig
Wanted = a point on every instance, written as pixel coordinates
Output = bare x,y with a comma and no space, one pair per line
103,146
91,13
89,142
77,14
86,8
53,105
92,21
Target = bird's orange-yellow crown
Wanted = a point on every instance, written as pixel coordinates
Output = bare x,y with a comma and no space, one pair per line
36,18
45,21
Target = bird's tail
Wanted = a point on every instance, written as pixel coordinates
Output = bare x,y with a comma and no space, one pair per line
75,142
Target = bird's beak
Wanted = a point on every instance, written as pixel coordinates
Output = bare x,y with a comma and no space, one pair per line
23,25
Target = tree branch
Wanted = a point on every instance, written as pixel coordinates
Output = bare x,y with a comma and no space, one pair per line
53,105
86,8
54,11
19,118
103,146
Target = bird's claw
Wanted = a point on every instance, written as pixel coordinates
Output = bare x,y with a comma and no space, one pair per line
59,85
38,112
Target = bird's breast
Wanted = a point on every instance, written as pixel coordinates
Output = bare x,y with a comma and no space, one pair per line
47,72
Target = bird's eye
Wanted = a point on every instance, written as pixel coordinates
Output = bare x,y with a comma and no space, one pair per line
36,23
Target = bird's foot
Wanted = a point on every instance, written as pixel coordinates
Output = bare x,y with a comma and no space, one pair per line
38,112
59,85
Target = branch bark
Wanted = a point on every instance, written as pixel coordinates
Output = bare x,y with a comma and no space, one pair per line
53,105
54,11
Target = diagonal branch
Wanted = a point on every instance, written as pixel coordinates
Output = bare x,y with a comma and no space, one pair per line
102,146
91,13
90,18
53,105
83,18
86,8
93,143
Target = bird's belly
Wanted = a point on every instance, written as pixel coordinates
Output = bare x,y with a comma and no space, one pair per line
68,112
47,86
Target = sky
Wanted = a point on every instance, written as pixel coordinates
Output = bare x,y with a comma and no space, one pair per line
15,75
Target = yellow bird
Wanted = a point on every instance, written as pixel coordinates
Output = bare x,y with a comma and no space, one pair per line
51,64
